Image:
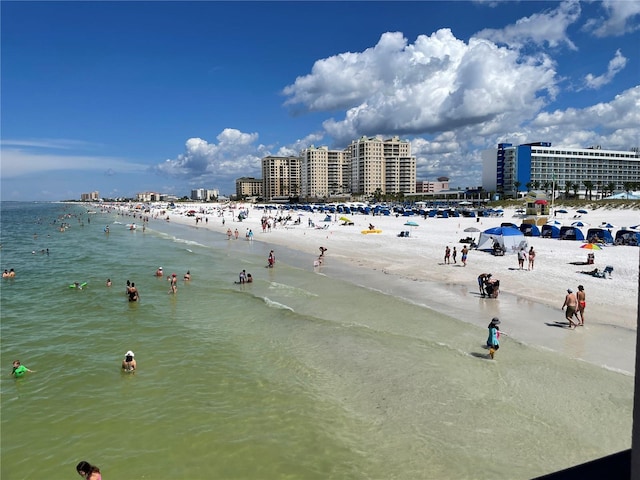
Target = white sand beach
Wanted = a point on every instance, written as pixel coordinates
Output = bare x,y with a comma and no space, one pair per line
529,301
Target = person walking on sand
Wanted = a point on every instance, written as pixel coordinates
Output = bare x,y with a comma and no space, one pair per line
522,256
464,252
532,256
582,303
447,255
493,341
454,255
571,302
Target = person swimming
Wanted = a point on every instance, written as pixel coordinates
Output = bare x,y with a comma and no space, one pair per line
129,362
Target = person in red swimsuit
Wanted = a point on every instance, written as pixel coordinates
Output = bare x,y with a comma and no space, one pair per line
582,303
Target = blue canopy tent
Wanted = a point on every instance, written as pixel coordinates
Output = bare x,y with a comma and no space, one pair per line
530,230
571,233
510,239
550,231
601,235
627,237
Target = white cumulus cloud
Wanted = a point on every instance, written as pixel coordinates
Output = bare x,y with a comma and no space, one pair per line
616,64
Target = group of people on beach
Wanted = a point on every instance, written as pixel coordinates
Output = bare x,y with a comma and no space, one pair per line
575,304
453,254
488,286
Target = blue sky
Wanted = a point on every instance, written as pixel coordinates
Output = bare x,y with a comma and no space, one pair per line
126,97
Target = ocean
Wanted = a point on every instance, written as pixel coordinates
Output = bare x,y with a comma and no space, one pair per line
303,374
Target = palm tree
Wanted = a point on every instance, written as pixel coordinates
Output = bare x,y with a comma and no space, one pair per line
529,186
575,187
588,185
628,186
535,184
611,186
546,185
516,185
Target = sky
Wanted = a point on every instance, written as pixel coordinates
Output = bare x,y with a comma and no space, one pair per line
129,97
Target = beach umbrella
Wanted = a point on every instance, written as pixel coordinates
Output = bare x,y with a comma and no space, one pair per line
577,224
607,225
471,229
554,222
581,211
591,246
345,219
411,224
635,227
561,211
520,210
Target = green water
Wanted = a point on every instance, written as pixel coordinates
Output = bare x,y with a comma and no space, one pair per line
298,375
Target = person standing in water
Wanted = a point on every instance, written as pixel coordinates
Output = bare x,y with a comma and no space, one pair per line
19,370
129,362
493,341
88,471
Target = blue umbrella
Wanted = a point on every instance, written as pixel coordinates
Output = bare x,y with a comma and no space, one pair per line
577,224
581,211
607,225
411,224
561,211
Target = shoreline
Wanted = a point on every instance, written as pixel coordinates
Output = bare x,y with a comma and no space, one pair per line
411,268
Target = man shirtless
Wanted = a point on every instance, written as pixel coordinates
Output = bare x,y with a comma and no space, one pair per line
582,303
571,302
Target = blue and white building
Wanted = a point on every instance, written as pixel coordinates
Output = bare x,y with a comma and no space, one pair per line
541,164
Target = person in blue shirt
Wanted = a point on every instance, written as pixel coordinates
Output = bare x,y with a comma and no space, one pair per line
493,341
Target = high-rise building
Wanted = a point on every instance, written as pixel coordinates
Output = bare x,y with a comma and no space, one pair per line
323,172
280,177
540,165
382,165
248,187
90,197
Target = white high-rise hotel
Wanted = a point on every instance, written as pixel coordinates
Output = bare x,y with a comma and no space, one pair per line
368,165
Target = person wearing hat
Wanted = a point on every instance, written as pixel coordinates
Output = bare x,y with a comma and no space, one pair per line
571,302
493,341
129,362
159,272
582,303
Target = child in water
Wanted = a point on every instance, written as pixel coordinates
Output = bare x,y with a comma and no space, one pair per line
493,341
19,370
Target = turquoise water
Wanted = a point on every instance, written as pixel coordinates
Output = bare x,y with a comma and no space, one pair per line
299,375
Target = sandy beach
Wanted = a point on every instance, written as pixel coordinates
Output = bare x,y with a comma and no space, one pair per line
529,301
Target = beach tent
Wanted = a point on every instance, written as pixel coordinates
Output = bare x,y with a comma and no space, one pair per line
571,233
627,237
602,234
510,239
530,230
550,231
